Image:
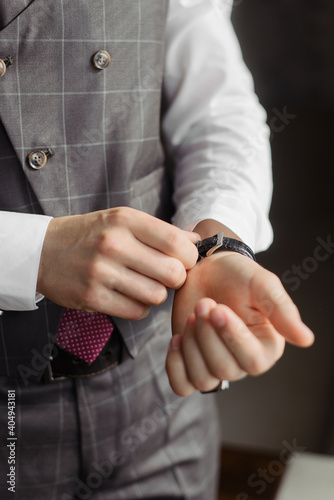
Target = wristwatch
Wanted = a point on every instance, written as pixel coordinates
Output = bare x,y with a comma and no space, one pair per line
218,242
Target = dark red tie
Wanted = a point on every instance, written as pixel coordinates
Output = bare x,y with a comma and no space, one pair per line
84,334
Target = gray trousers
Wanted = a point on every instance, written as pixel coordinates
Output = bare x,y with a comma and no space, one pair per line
122,434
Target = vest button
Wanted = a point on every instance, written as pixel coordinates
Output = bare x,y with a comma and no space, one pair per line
7,61
101,59
2,68
37,159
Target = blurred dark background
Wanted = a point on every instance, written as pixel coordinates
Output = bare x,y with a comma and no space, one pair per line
289,47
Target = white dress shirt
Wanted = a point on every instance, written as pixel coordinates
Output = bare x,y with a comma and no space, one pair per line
212,123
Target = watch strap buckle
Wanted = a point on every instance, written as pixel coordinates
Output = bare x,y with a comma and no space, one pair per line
219,244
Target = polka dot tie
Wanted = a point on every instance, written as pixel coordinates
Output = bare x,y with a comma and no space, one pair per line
84,334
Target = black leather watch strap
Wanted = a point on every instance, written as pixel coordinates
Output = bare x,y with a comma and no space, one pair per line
218,243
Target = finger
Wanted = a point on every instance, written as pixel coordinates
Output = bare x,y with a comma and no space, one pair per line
176,369
131,284
273,301
197,370
220,362
125,249
112,303
167,270
255,350
167,238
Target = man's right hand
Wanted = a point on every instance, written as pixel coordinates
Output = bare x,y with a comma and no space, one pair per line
118,261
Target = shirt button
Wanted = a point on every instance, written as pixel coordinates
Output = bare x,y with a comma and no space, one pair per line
37,159
101,59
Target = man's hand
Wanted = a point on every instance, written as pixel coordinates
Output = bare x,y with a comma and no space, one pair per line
230,319
118,261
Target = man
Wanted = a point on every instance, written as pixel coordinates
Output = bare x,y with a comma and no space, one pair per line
81,97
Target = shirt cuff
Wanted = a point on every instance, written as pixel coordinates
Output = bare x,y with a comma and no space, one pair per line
255,230
21,241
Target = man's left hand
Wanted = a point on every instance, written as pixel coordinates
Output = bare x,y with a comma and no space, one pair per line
230,319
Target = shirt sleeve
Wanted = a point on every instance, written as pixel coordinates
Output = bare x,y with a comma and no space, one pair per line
213,126
21,241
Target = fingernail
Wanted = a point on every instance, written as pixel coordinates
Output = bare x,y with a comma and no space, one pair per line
175,343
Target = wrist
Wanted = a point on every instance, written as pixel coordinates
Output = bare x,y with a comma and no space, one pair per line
209,227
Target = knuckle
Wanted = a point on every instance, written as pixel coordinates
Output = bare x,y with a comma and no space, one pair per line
257,367
88,298
139,311
176,274
120,215
102,241
183,391
204,384
124,216
111,245
230,373
119,218
173,239
224,373
93,271
278,294
158,296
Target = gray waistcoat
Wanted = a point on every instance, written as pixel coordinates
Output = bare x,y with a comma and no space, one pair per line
103,127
